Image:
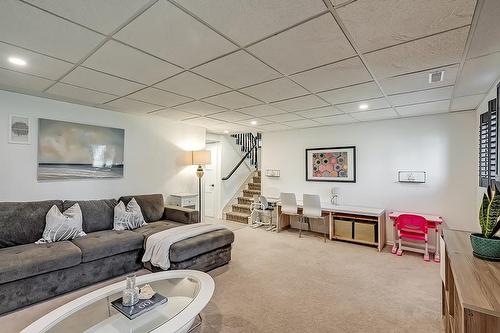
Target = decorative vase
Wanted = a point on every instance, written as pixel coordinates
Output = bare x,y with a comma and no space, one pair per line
485,248
131,293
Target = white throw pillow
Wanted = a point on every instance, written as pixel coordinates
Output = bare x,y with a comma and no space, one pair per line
128,218
62,226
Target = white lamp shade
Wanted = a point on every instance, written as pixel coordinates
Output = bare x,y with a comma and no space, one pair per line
201,157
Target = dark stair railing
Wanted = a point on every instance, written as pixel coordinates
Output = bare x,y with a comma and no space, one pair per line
249,144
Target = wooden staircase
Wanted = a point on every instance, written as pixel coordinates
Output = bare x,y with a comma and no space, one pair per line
240,212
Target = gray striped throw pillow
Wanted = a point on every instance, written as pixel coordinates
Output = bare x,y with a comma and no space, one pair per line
62,226
128,218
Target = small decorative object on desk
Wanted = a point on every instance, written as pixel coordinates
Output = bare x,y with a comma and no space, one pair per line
131,293
143,306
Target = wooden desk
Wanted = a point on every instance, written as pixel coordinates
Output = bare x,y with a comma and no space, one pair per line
375,215
470,289
433,222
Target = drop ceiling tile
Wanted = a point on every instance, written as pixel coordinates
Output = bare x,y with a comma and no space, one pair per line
478,75
103,16
91,79
284,117
297,49
304,123
423,109
336,120
353,93
203,122
192,85
36,64
340,74
261,110
158,97
422,96
232,100
29,27
300,103
174,35
200,108
250,122
371,104
319,112
466,102
275,90
131,106
374,25
375,115
430,52
11,80
80,94
248,21
274,127
418,80
487,31
124,61
237,70
173,114
230,116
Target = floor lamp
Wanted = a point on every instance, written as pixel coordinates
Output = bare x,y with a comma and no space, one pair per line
200,158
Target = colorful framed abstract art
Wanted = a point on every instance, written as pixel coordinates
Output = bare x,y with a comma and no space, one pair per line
335,164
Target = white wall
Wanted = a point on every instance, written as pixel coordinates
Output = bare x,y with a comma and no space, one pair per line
444,146
154,153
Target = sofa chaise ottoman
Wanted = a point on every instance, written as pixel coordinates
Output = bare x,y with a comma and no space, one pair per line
31,272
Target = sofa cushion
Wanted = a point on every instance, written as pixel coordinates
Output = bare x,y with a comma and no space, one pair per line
107,243
23,222
19,262
97,214
153,228
152,205
194,246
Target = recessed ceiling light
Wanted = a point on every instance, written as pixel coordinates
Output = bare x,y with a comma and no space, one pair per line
363,106
253,122
226,131
17,61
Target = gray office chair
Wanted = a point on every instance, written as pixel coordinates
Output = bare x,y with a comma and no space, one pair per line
312,210
288,207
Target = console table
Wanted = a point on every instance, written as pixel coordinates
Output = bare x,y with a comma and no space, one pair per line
349,223
470,288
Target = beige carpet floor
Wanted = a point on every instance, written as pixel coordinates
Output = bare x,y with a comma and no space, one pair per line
280,283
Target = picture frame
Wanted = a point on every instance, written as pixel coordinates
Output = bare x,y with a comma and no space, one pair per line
331,164
19,129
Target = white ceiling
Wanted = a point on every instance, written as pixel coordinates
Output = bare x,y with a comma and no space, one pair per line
280,64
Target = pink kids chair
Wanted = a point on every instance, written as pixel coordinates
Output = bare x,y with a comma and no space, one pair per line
412,227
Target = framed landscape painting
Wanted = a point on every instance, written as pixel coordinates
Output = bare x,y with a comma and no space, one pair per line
79,151
335,164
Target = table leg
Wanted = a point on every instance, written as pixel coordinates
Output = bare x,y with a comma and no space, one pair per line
437,257
330,224
394,237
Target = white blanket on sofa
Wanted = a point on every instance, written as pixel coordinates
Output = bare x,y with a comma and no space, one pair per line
158,245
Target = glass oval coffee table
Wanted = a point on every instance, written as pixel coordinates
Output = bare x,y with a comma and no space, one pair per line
187,291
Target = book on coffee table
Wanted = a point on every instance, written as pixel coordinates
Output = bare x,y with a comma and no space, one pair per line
143,306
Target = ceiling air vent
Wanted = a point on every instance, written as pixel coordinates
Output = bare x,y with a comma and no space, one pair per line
436,76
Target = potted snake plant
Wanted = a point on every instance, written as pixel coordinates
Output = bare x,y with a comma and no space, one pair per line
486,245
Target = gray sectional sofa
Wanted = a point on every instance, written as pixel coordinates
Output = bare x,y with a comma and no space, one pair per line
31,272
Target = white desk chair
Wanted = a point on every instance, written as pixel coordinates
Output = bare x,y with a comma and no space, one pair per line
259,207
312,210
288,207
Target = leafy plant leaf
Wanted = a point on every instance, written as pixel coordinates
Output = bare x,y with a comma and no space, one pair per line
493,213
483,213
